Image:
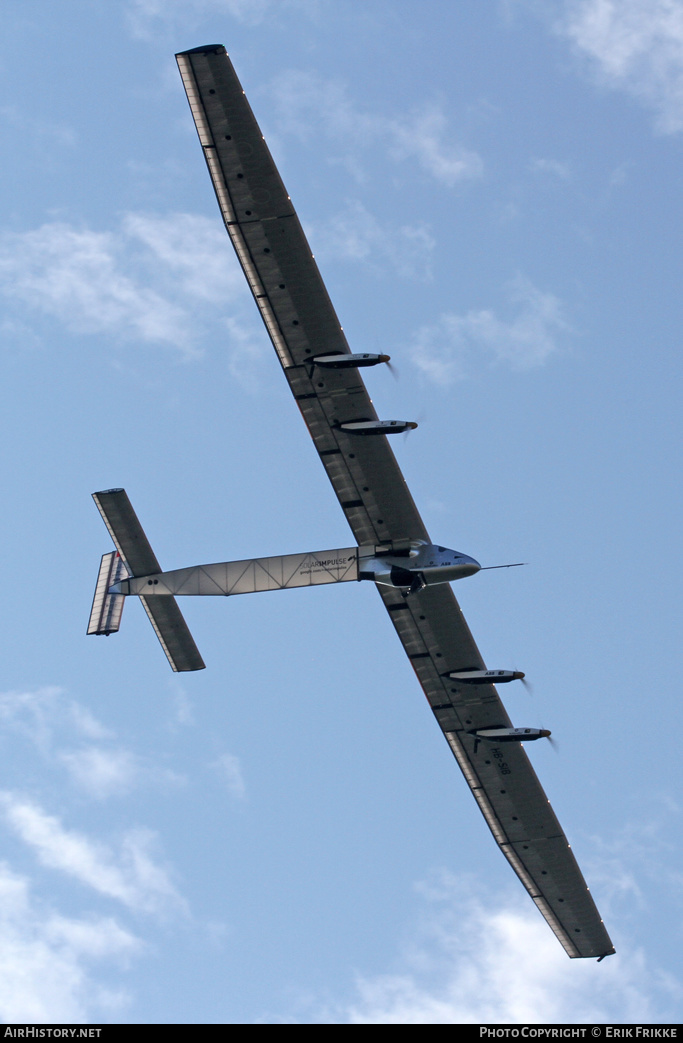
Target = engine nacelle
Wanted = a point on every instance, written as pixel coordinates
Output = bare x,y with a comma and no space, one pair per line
486,676
377,427
347,361
511,734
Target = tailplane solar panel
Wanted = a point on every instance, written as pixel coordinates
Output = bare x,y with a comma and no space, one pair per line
136,558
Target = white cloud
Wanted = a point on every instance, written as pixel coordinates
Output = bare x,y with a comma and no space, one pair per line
551,166
183,708
310,107
76,276
636,860
423,135
50,721
132,877
45,960
229,768
146,16
478,958
356,235
194,248
46,134
248,349
140,283
101,772
450,349
38,714
634,45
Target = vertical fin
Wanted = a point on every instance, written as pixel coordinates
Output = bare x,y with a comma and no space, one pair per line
105,615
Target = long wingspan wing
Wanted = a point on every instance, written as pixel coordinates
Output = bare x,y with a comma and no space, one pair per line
294,304
437,640
302,324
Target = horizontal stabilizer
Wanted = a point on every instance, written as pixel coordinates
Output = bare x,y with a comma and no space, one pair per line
139,558
105,615
173,633
126,531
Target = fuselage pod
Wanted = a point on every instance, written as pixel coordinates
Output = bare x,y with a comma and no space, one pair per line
425,562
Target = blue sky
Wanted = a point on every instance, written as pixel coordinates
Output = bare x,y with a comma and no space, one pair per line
492,194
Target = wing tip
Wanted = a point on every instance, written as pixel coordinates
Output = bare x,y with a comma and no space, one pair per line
209,48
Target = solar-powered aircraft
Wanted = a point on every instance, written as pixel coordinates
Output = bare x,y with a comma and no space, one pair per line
393,549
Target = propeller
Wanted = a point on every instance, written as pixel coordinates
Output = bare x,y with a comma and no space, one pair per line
548,736
418,421
528,685
530,689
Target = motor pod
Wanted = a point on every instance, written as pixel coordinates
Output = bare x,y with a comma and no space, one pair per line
511,734
377,427
348,361
486,676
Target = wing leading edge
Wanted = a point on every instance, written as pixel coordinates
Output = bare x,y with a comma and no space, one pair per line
301,322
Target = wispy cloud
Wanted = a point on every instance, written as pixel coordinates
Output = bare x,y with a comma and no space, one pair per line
76,276
633,45
40,713
183,709
141,282
553,167
423,136
104,772
145,17
455,346
67,734
356,235
132,877
229,770
46,972
46,134
247,352
194,249
480,958
639,859
309,107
